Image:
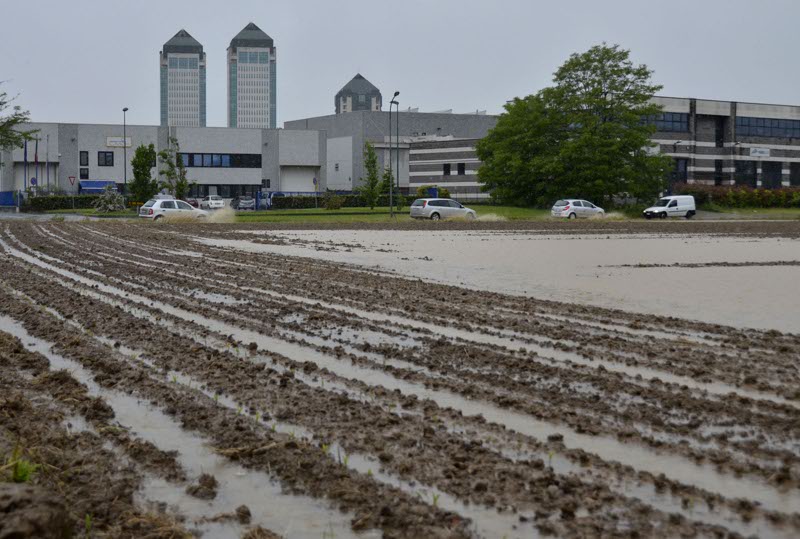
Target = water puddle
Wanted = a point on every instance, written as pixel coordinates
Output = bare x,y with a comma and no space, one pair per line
639,457
288,514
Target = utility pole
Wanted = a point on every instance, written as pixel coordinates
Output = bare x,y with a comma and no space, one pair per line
124,151
391,187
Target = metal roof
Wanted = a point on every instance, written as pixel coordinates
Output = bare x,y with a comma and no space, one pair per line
359,85
251,36
183,42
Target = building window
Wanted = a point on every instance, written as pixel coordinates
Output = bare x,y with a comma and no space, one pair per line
794,174
462,169
745,173
670,121
105,159
446,169
336,167
767,127
84,173
84,160
718,172
224,160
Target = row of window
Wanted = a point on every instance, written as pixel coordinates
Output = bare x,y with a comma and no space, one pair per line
253,57
461,168
225,191
767,127
221,160
183,63
670,121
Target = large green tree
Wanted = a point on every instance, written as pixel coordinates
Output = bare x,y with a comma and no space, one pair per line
586,136
370,186
12,135
144,186
388,184
173,171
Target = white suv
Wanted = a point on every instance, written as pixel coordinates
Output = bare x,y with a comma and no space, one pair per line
156,209
213,202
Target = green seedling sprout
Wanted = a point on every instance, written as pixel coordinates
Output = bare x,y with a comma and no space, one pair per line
216,398
22,470
258,417
369,472
325,448
550,457
291,434
436,499
274,427
87,525
174,378
346,459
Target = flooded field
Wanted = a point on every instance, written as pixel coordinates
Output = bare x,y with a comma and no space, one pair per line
494,381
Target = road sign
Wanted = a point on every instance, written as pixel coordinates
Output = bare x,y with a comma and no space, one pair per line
72,180
33,181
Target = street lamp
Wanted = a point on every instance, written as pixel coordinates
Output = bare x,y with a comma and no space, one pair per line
391,187
125,150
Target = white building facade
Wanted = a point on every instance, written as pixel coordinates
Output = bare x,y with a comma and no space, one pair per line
183,82
252,65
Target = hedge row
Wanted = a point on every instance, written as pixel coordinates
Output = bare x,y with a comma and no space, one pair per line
59,202
306,202
738,196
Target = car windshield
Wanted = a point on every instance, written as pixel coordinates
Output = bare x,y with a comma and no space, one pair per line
149,203
561,203
216,197
661,203
245,199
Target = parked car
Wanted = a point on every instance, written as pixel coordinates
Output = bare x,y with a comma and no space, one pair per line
192,202
212,202
243,203
440,208
672,206
574,208
160,208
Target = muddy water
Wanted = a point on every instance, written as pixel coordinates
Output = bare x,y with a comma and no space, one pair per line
641,458
290,515
584,269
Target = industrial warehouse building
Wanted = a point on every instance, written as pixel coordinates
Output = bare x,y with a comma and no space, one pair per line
711,142
219,160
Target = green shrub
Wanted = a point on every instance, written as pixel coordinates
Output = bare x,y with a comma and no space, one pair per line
422,191
332,201
308,202
444,192
59,202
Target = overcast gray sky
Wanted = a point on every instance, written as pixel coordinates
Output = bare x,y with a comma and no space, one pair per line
83,60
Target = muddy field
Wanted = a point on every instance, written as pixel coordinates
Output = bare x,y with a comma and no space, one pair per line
164,383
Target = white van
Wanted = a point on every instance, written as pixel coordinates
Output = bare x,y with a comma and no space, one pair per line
676,206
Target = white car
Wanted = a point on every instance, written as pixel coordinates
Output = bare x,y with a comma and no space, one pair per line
160,208
672,206
440,208
212,202
573,208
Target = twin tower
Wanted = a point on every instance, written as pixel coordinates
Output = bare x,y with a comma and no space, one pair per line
251,81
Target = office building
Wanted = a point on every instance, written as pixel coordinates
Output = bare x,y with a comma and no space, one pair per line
218,160
357,95
183,82
251,80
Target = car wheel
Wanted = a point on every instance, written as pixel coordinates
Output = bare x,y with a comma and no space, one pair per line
435,217
471,217
689,214
157,217
572,216
662,215
648,217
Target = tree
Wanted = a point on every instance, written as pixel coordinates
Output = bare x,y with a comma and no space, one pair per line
586,136
174,172
144,186
370,188
388,184
11,135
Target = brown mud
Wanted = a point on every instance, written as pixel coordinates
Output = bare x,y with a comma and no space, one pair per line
503,415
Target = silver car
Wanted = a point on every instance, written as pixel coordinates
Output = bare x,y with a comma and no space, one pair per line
159,208
440,208
573,208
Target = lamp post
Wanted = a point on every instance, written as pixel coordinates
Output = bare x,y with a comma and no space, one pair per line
391,187
125,150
